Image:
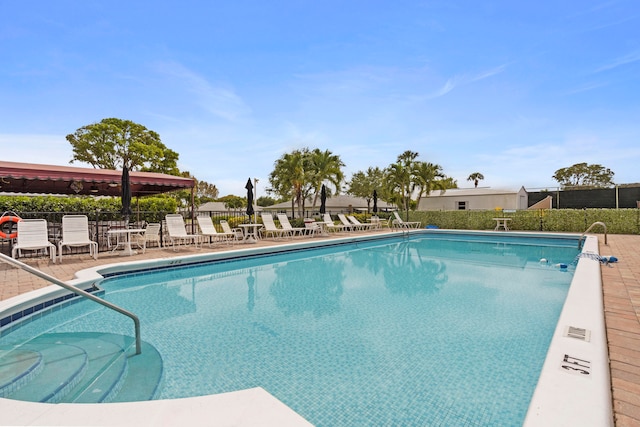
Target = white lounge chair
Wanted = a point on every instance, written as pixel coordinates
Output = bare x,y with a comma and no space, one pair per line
177,231
397,222
347,224
207,229
75,234
33,235
270,227
151,234
237,232
361,225
330,225
286,225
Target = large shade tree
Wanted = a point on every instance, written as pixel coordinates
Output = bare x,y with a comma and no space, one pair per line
114,143
584,175
363,183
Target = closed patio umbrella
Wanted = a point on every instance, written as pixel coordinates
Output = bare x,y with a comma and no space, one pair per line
323,200
125,196
375,202
249,188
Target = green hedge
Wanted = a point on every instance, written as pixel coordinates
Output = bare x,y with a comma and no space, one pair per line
152,209
618,221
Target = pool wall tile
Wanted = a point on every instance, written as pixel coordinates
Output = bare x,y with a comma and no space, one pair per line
9,323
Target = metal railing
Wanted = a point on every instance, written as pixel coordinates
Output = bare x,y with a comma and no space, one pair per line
589,229
79,292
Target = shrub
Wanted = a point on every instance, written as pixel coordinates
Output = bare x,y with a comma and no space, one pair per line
617,221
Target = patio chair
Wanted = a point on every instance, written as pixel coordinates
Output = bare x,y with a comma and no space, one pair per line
151,234
177,231
286,225
75,234
330,225
361,225
376,222
237,232
207,229
313,228
33,235
397,222
270,227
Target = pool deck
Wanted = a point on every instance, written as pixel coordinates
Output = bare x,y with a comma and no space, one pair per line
621,285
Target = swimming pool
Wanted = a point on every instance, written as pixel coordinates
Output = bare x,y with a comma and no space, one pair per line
393,331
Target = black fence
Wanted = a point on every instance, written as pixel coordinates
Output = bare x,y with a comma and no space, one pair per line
603,198
101,222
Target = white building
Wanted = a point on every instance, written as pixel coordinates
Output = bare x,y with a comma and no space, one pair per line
474,199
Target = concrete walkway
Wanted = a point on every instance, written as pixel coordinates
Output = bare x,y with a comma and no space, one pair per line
621,284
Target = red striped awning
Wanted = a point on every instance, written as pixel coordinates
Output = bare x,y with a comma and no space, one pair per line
49,179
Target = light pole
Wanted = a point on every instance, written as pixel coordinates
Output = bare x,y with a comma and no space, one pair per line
255,188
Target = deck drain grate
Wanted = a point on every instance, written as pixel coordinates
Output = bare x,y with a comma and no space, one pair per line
578,333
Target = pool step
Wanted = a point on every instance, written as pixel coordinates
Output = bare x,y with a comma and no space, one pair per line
17,367
85,367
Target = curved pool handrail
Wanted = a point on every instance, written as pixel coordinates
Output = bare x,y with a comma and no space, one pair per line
79,292
589,229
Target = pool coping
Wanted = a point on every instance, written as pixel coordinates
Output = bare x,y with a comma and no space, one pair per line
563,396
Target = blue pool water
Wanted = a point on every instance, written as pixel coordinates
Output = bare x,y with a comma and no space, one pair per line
423,331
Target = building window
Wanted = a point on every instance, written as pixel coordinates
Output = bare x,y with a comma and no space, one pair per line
462,206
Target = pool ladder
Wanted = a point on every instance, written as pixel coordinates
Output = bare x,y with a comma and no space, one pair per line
589,229
79,292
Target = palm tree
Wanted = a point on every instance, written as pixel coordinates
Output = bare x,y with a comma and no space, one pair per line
324,166
287,178
301,173
399,180
475,177
428,177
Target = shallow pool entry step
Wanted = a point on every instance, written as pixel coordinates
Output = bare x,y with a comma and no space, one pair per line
85,367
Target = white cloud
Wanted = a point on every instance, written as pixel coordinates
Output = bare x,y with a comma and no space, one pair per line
465,79
220,101
620,61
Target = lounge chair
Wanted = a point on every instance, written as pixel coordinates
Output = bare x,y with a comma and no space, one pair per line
207,229
346,224
33,235
286,225
329,224
177,231
361,225
75,234
270,227
151,234
237,232
397,222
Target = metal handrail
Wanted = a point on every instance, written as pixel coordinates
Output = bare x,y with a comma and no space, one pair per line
589,229
79,292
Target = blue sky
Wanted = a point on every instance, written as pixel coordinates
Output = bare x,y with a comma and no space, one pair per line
514,90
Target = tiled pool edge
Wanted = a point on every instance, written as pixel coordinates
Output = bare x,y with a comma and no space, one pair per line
574,387
590,406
